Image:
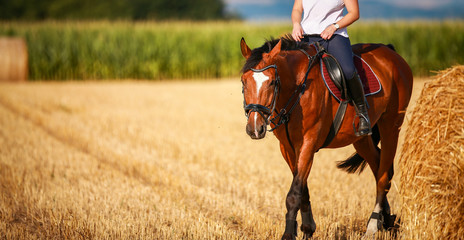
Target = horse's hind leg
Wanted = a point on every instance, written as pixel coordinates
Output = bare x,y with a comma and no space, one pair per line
367,149
308,226
389,137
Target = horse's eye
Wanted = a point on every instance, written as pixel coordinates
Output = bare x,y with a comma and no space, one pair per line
273,83
243,88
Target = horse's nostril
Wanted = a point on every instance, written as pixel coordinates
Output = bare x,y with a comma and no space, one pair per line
261,130
249,129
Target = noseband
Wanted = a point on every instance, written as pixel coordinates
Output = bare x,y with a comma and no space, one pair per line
264,111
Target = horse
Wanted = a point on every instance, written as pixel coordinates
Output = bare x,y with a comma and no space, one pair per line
283,89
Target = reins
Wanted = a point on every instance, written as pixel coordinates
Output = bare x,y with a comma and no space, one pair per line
282,116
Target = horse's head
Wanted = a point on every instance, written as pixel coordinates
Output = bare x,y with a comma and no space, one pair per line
260,84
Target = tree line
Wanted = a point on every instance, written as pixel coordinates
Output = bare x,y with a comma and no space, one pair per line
114,10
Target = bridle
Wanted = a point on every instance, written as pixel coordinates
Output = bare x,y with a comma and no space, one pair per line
262,110
282,116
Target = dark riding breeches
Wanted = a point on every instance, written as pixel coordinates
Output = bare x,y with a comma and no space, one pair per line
339,47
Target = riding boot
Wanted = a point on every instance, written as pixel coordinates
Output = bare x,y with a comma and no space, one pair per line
356,89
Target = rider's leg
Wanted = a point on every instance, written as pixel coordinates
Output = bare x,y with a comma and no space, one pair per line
357,94
340,48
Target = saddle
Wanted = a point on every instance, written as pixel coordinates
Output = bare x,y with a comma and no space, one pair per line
336,83
332,69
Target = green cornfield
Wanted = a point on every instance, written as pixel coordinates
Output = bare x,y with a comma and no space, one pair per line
80,50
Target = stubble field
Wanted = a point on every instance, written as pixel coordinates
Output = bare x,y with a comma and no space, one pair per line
164,160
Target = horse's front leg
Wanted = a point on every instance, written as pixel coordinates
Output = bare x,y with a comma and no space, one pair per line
308,225
292,203
298,197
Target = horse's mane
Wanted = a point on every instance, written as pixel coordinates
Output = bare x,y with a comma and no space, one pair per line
288,44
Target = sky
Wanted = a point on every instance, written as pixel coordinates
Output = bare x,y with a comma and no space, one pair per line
391,9
424,4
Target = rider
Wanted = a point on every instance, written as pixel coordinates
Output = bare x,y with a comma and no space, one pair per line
324,20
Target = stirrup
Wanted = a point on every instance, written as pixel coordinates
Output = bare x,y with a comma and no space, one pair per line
357,132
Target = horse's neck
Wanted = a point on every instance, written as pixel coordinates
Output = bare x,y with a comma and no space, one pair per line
292,72
297,65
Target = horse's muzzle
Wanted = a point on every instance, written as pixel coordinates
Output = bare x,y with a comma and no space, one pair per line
256,127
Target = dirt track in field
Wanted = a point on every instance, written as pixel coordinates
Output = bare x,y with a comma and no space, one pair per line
164,160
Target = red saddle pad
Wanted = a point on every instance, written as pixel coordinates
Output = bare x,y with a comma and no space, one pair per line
369,80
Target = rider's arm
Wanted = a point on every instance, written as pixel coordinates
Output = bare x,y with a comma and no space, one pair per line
352,8
297,11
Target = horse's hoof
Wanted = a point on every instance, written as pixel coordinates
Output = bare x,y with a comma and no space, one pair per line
389,221
308,231
291,228
307,236
288,236
375,224
370,232
368,236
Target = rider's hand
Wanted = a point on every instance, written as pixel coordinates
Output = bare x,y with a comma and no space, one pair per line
297,32
328,32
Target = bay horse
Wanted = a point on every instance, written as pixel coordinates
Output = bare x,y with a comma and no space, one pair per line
282,88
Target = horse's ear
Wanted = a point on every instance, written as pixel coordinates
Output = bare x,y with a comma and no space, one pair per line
246,51
276,50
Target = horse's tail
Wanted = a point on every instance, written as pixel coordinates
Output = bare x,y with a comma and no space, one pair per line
356,163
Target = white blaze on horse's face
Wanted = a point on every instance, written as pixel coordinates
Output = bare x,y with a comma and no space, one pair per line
260,78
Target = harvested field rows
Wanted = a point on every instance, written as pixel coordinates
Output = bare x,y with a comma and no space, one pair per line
146,160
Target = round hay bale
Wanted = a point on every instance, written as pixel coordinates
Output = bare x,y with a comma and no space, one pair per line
432,161
13,59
